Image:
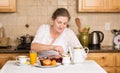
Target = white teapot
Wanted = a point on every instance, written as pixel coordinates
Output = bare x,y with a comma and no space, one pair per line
79,54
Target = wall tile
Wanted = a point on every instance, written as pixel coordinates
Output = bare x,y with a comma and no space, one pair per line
38,12
52,3
62,2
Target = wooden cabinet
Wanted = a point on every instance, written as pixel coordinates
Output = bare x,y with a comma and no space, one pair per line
98,5
5,57
7,5
114,4
118,70
104,59
118,63
110,69
91,5
109,61
118,59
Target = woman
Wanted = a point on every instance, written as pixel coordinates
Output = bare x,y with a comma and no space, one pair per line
55,39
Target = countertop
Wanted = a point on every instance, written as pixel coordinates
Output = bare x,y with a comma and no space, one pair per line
103,49
12,50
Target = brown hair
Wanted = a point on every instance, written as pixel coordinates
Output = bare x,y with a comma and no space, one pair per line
61,12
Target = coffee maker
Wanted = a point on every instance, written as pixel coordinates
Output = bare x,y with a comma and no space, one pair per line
25,42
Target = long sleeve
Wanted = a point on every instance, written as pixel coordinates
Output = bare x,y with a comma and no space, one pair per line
73,40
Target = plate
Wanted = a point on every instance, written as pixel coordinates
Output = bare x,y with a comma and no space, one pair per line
19,64
40,66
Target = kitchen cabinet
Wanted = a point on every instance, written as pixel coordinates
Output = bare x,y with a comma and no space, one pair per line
5,57
113,4
109,61
109,69
98,5
118,63
118,60
7,5
118,70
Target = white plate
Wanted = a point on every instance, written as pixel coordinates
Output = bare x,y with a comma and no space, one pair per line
19,64
40,66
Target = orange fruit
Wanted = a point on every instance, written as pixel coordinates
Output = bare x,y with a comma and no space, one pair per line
53,63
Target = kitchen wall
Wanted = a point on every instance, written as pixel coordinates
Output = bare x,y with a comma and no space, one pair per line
38,12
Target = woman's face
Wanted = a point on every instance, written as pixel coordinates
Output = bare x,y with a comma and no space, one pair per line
60,23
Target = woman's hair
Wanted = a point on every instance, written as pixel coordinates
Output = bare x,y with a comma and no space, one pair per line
61,12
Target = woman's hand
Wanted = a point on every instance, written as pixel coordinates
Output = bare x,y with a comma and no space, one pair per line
58,49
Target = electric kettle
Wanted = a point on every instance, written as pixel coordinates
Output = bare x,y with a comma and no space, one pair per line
96,37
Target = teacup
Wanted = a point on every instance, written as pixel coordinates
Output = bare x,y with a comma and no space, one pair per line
22,59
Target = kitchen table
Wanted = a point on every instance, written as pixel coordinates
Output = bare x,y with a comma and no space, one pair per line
88,66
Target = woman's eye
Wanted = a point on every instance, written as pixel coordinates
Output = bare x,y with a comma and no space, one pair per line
65,23
62,23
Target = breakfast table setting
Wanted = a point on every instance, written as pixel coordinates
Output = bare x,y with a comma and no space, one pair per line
88,66
73,63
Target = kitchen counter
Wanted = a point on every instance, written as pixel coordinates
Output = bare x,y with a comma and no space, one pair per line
104,49
12,50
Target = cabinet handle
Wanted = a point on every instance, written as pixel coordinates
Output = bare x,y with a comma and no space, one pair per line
103,57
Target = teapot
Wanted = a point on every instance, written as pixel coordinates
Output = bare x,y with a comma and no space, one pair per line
79,54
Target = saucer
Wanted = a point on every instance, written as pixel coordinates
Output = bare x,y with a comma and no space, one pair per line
19,64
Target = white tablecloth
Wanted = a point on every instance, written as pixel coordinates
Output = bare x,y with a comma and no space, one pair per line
88,66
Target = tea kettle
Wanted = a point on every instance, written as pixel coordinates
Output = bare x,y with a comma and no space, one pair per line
96,37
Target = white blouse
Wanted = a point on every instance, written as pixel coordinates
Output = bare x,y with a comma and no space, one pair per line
67,39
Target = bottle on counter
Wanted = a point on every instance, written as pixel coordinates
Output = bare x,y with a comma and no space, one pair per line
1,31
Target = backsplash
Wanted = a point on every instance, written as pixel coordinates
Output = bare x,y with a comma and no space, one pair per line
38,12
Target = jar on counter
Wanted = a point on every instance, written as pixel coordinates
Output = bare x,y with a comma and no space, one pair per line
84,39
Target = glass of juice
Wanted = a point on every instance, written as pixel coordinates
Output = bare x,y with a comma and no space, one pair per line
33,57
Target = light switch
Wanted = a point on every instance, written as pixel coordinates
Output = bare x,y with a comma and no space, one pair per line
107,26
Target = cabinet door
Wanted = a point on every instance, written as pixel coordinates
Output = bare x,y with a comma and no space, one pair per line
91,5
7,5
118,59
118,70
5,57
98,5
113,5
109,69
103,59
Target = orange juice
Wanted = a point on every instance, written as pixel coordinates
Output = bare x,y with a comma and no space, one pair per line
33,57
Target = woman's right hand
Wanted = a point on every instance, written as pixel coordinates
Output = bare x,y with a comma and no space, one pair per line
59,49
